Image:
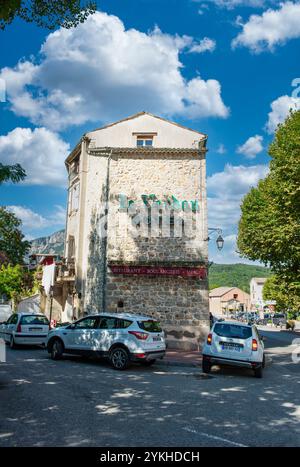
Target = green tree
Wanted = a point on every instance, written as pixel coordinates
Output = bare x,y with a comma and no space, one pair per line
12,243
11,280
48,14
14,173
269,228
15,283
285,293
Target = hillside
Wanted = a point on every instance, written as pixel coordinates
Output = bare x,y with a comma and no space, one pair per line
53,244
235,275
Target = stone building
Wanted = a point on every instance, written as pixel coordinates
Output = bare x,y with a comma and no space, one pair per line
142,164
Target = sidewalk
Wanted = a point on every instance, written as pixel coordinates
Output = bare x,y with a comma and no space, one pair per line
182,358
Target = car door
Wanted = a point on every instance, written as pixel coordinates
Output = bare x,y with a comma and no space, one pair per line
82,335
11,326
107,332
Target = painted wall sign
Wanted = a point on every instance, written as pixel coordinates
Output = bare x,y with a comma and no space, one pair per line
200,272
151,200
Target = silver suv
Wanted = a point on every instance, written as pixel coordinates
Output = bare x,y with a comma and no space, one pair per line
120,337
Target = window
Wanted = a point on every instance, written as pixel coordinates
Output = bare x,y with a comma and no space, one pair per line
123,323
30,319
150,326
71,247
74,198
87,323
144,141
13,319
231,330
108,323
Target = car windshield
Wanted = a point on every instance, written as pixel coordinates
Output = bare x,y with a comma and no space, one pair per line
150,326
232,330
33,319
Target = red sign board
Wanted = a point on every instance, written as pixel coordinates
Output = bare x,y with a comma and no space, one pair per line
200,272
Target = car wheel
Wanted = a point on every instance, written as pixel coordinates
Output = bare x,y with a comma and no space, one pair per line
148,362
258,372
206,366
57,349
12,343
119,358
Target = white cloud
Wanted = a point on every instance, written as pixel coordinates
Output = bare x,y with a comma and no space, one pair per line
235,181
221,149
40,152
279,111
30,219
251,147
272,28
225,192
205,45
231,4
99,71
33,221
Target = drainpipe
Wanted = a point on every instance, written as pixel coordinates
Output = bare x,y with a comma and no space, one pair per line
104,272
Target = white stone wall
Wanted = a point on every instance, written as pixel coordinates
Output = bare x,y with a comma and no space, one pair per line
180,303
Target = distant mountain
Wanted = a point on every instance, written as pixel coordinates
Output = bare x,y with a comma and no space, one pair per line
53,244
235,275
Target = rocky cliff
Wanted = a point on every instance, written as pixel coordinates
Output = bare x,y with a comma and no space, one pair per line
53,244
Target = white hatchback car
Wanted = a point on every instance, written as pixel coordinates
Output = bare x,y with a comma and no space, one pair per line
121,337
25,329
237,344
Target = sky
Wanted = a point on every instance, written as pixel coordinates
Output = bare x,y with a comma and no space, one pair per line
228,68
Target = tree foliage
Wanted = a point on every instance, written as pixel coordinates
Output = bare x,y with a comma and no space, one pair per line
48,14
269,228
15,282
286,294
11,280
13,247
14,173
235,275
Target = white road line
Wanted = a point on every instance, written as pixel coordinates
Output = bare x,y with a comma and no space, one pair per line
216,438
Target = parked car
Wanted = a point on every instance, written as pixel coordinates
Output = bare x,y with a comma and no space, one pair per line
234,344
121,338
25,329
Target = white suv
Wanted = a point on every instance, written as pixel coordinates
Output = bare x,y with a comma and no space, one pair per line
237,344
121,337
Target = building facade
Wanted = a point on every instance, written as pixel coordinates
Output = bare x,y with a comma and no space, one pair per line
256,292
136,232
226,301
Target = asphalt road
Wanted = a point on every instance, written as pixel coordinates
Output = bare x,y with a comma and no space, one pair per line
80,402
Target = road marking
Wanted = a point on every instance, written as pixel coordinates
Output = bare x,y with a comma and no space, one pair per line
216,438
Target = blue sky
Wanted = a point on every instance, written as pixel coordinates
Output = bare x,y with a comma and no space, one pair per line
223,67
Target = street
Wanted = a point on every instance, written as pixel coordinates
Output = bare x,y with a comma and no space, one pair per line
82,402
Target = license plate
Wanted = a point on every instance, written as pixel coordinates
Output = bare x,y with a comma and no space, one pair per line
231,347
156,339
35,329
